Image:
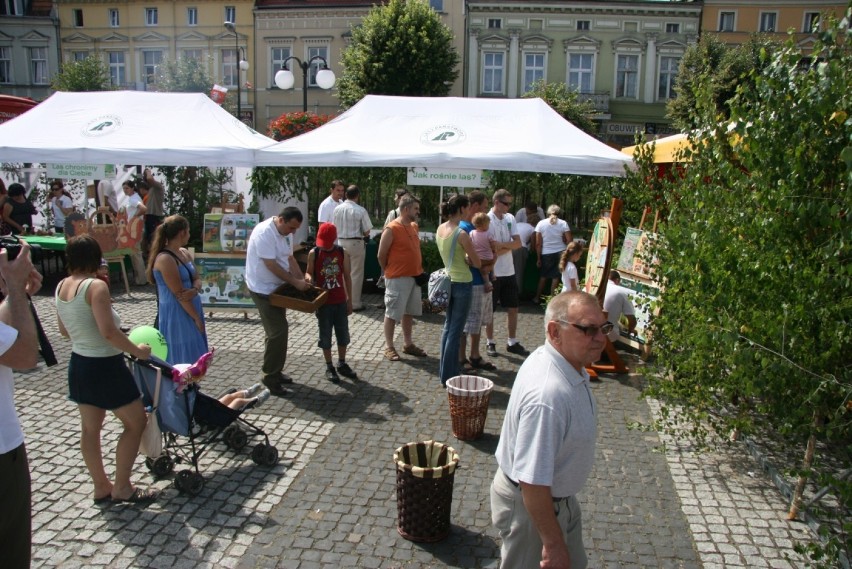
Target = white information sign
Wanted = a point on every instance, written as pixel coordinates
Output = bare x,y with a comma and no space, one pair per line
81,171
447,177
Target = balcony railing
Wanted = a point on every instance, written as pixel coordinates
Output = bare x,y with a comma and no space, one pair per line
599,100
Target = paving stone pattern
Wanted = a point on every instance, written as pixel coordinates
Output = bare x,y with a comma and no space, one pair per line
331,501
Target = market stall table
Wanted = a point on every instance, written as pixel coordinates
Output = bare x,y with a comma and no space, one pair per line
56,244
52,246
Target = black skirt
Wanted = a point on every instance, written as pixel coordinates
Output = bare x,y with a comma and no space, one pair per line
105,383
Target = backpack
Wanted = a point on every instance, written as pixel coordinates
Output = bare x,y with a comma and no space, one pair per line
438,291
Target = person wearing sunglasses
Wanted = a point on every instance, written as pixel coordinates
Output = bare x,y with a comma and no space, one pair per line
547,443
504,232
61,204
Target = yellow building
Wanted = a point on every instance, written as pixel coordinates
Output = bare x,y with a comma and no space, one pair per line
734,21
306,29
133,38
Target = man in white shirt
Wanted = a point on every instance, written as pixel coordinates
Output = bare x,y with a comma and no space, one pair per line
529,209
504,231
18,350
617,302
353,225
325,213
547,442
269,264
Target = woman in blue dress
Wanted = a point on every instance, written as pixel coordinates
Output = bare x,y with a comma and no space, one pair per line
181,317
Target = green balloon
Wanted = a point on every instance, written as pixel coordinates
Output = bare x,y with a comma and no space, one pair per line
153,337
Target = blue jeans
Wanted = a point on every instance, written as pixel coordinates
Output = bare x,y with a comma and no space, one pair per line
460,296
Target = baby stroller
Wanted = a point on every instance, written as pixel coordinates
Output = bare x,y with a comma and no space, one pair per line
184,411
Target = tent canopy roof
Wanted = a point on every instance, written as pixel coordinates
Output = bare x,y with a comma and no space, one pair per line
450,132
130,127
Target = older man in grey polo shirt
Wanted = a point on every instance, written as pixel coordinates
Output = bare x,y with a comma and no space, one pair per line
547,445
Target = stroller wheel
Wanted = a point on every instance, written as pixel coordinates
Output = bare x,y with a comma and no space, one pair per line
235,437
265,455
163,466
189,482
270,456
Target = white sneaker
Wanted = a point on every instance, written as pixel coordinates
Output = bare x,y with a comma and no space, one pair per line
261,398
253,390
491,349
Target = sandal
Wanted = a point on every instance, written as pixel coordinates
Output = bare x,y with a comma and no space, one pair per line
465,366
479,363
413,350
103,500
139,496
391,354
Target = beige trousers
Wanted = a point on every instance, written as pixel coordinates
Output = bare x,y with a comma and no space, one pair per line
356,249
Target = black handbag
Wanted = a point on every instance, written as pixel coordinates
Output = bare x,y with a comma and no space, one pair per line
422,279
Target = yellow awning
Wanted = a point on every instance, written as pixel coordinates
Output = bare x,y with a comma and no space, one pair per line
664,149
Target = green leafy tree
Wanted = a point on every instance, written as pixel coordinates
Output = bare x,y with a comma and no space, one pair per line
566,102
184,75
720,70
756,321
401,48
90,74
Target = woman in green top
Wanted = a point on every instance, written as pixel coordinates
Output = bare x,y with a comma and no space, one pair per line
458,255
98,379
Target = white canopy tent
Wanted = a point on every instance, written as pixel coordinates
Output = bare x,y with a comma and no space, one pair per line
130,127
450,132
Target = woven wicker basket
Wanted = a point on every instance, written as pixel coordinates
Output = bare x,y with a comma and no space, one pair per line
103,228
469,396
424,490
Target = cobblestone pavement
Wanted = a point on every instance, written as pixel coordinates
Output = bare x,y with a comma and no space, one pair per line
331,500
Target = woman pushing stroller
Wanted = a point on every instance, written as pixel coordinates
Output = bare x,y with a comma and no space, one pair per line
98,378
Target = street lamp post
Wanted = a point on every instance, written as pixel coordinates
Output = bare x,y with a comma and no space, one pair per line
242,65
325,77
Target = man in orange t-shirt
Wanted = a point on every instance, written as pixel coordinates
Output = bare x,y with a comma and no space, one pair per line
399,257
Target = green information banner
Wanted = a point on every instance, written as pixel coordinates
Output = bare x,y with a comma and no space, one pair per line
223,281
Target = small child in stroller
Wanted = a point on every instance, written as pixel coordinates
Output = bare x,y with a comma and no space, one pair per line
184,374
254,396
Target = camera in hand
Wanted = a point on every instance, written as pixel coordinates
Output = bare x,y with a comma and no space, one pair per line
13,247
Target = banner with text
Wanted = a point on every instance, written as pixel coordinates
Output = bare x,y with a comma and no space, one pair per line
81,171
448,177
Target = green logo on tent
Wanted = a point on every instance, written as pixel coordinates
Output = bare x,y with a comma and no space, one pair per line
102,125
443,135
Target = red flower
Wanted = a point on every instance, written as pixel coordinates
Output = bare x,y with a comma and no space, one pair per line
289,125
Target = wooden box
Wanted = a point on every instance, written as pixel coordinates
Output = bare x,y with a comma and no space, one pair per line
283,301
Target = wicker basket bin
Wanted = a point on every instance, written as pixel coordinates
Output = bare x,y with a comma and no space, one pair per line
424,490
469,396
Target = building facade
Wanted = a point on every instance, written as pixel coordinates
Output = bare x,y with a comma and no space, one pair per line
734,21
29,56
622,56
305,29
133,38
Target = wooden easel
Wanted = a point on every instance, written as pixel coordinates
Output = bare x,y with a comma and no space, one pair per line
616,364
